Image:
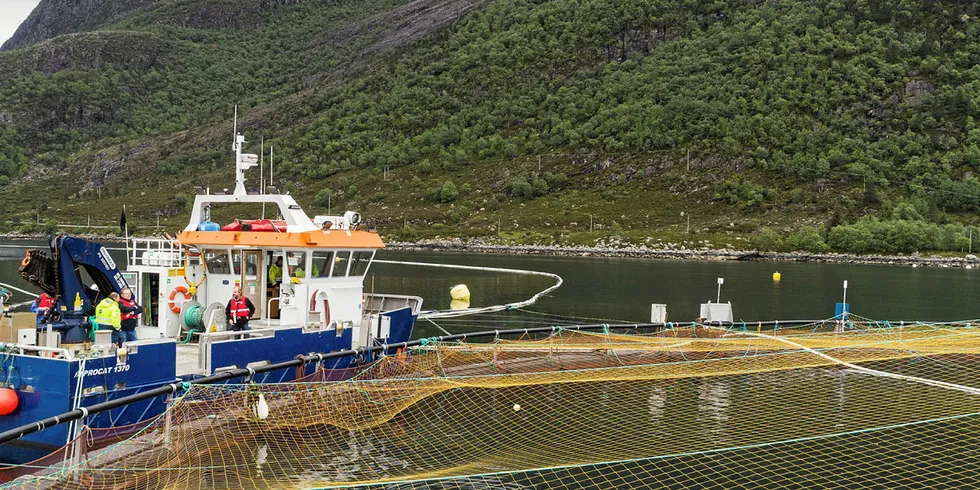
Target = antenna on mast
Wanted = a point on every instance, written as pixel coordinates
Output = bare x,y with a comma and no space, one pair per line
262,172
234,131
243,161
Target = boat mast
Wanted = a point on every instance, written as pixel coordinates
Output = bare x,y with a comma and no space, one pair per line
243,161
262,172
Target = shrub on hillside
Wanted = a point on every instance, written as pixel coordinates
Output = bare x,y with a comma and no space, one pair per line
407,233
324,199
767,241
183,200
743,193
850,238
892,236
808,239
447,192
520,187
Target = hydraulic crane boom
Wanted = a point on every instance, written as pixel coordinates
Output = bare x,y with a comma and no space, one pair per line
78,274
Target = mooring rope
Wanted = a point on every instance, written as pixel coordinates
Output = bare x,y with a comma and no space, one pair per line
8,286
862,369
484,309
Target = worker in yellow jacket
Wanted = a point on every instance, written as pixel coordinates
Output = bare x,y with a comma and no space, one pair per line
275,272
108,315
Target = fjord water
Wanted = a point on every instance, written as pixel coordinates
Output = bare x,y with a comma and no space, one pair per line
623,288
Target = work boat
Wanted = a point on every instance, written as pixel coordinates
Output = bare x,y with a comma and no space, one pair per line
304,276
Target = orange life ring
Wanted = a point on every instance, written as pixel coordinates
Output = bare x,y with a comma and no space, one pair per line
27,260
174,307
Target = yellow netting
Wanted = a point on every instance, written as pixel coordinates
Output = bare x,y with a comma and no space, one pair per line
798,408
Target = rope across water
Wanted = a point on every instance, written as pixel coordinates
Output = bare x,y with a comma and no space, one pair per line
484,309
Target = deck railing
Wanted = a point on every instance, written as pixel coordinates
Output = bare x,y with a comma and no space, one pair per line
379,303
157,252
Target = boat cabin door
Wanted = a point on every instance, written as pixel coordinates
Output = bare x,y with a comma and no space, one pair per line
253,286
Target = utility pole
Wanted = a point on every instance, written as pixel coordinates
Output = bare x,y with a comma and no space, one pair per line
688,159
970,251
590,222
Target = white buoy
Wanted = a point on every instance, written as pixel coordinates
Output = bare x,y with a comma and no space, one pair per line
262,408
517,407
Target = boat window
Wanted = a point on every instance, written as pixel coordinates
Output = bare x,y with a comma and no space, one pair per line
321,263
360,262
217,261
296,262
340,264
251,263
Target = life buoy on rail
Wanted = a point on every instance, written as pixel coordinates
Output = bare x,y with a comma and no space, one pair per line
174,307
27,260
326,307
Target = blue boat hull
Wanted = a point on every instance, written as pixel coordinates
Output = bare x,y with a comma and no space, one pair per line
48,387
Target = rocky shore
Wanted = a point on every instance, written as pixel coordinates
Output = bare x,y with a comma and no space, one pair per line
103,237
616,249
913,260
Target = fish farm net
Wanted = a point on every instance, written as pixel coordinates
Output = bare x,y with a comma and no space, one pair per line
869,406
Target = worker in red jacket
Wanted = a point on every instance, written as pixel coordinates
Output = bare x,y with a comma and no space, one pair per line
41,305
239,310
129,315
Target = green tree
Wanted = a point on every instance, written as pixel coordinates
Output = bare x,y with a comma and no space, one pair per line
447,192
324,198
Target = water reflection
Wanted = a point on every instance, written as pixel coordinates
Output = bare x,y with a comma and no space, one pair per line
713,402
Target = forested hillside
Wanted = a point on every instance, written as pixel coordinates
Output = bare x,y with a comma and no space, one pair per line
830,124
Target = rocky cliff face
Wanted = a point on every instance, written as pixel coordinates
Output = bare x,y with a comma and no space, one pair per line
53,18
56,17
128,50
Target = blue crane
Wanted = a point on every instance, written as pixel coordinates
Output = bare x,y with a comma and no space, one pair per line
78,274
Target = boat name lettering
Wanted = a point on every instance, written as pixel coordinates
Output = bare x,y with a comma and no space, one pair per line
107,261
103,371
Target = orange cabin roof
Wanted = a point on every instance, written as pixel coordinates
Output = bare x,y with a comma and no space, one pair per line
306,239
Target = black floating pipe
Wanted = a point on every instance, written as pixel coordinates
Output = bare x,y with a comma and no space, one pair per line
79,413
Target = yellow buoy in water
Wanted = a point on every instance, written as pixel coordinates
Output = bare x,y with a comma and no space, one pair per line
776,276
460,292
